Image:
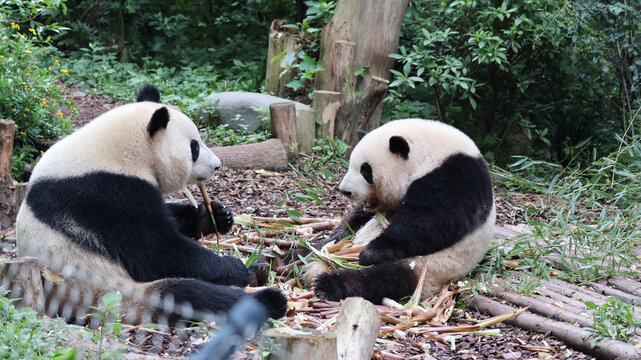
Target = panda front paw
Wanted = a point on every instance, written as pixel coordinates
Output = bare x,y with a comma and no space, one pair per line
258,273
330,287
223,216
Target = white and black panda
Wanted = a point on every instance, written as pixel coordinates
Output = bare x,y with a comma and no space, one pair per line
433,189
94,213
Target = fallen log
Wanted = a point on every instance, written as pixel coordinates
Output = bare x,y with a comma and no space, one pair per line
622,295
270,155
576,337
542,308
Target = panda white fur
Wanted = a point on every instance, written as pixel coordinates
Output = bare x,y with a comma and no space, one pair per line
94,213
433,187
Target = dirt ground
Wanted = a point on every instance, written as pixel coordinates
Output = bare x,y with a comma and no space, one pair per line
248,192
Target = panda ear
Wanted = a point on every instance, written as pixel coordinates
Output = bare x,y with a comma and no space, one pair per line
398,145
158,121
148,93
361,134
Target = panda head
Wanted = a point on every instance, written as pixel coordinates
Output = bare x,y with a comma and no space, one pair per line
180,156
386,161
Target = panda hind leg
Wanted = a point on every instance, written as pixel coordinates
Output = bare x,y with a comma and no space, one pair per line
206,298
394,280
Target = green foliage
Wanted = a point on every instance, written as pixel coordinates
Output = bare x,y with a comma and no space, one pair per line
25,336
222,135
210,32
323,9
613,320
530,77
327,159
28,78
108,313
588,224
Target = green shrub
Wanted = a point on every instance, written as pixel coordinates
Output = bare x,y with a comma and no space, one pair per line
25,336
29,91
529,77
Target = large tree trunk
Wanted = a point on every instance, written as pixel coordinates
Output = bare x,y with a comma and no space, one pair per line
362,33
7,196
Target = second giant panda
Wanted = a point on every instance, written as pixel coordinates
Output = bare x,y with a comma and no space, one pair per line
94,216
425,196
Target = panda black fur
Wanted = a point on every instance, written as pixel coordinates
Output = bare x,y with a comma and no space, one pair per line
433,194
94,213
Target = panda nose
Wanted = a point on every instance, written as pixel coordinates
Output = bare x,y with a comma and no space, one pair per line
347,193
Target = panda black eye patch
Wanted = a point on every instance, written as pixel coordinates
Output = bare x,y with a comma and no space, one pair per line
366,171
195,150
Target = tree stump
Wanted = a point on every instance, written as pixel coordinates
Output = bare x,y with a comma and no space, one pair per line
326,104
305,130
308,344
7,195
356,329
269,155
22,277
280,40
283,118
359,38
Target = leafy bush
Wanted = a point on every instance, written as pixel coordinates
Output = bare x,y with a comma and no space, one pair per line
211,32
521,77
29,92
613,320
25,336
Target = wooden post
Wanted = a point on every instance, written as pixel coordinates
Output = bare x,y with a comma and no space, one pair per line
305,129
283,118
308,344
360,36
326,104
280,40
22,277
357,327
7,196
269,155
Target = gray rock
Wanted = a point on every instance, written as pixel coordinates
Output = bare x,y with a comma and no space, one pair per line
238,107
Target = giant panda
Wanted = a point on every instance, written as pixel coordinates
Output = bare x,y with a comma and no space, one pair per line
424,196
95,219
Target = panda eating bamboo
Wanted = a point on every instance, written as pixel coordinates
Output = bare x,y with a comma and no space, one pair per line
425,199
94,217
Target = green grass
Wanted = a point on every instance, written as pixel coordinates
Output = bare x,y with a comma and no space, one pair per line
587,225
